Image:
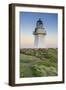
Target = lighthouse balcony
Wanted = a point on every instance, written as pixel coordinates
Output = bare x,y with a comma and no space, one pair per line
39,31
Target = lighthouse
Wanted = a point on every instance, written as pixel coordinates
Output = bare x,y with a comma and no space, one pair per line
39,35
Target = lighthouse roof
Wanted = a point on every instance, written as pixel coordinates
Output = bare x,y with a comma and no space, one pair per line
39,21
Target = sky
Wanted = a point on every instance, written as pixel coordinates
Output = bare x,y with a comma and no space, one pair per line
27,24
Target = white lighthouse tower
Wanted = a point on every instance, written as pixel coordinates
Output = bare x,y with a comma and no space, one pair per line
39,34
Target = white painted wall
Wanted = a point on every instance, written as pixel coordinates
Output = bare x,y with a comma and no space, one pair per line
4,45
40,41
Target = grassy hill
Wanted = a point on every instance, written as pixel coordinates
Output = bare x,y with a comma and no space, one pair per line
38,62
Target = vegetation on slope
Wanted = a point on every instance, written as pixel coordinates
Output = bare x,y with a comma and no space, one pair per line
38,62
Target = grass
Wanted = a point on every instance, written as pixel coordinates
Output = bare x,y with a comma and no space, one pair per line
38,62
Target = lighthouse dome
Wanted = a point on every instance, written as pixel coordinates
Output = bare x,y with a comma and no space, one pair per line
39,23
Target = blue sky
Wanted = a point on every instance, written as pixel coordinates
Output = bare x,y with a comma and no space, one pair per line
27,26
